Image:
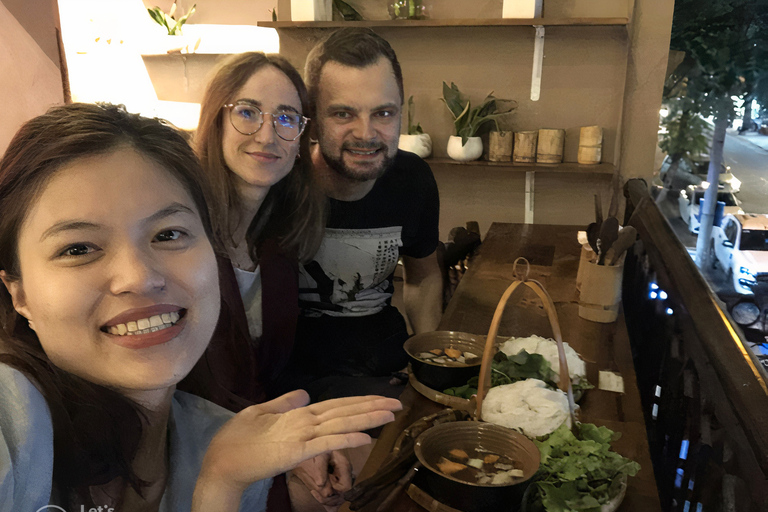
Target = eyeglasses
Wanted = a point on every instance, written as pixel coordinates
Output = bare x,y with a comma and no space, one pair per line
247,119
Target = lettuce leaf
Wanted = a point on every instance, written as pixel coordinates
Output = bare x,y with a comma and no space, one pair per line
579,474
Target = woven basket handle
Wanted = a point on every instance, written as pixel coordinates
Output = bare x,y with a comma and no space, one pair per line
549,307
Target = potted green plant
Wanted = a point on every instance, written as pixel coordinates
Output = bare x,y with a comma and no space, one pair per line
415,141
466,145
168,21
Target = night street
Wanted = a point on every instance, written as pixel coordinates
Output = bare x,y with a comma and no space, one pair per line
749,163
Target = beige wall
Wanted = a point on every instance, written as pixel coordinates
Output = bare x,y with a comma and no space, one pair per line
609,76
649,33
30,81
39,18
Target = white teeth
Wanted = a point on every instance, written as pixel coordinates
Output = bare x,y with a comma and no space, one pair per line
145,325
357,152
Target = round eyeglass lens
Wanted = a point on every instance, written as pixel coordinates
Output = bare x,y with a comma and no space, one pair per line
247,119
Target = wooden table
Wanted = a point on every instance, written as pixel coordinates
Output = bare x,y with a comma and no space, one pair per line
554,256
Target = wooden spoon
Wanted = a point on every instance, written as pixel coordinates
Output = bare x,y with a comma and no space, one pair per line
624,241
609,231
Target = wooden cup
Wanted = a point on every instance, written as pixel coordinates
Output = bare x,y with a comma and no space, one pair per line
550,148
600,291
525,147
590,145
500,146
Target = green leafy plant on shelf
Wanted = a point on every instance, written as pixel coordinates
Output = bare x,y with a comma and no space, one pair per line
346,11
472,121
413,130
167,20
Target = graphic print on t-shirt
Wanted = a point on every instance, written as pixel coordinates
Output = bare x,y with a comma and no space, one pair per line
349,275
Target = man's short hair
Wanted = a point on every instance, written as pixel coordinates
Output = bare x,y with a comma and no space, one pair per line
354,47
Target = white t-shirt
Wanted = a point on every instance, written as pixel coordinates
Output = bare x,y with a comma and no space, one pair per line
249,284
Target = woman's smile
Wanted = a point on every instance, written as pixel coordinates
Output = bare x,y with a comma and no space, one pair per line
264,157
146,327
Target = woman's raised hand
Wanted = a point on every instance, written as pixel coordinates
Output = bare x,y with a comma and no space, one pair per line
268,439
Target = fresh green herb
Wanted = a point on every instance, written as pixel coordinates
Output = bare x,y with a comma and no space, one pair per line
579,474
506,370
581,384
171,24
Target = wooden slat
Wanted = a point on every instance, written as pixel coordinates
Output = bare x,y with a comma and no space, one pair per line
604,169
449,23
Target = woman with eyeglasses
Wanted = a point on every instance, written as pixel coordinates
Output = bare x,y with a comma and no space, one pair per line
253,143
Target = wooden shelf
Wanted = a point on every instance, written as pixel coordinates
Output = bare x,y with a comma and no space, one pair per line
566,167
450,23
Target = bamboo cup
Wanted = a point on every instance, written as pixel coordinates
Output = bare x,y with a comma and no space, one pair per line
500,146
590,145
525,147
550,148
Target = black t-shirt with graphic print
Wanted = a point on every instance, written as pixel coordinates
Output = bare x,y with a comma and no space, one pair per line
351,275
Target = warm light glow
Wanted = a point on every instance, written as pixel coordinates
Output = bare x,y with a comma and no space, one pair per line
104,42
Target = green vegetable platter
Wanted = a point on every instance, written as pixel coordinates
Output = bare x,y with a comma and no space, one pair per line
579,472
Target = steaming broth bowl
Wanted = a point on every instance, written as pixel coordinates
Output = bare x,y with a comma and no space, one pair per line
441,375
476,437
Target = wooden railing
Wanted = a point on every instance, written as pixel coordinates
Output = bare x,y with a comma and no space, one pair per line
704,393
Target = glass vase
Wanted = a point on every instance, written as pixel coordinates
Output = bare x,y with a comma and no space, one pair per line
407,9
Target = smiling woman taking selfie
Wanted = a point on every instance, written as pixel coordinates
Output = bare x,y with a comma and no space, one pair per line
111,297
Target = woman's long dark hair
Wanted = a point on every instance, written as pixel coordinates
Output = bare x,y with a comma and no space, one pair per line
293,212
96,430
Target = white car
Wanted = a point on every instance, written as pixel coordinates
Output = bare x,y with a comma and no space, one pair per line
689,199
740,247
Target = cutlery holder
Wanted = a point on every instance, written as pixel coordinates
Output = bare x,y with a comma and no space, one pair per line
599,289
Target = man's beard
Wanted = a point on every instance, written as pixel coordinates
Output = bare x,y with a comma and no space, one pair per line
336,162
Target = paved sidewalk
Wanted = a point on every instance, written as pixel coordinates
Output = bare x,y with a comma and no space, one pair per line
755,138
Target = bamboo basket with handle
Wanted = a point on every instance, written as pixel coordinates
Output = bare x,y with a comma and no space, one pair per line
521,279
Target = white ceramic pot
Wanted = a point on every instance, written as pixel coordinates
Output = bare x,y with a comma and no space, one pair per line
421,144
469,151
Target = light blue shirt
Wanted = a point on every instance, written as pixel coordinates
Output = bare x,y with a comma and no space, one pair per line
26,448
